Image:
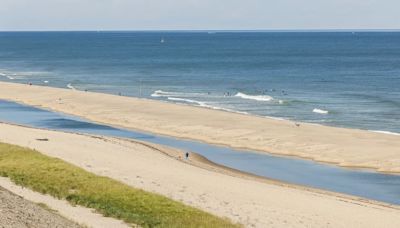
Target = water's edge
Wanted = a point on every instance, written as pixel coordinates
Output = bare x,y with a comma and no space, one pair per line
251,150
363,183
341,79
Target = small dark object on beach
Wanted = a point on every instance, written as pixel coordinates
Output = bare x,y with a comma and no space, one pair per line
44,140
187,155
297,124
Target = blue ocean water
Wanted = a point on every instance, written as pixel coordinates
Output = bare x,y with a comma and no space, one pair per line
342,79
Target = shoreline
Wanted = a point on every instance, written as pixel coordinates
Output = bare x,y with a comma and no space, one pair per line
202,162
345,166
318,143
228,193
70,87
255,115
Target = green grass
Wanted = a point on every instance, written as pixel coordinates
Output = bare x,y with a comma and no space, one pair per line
62,180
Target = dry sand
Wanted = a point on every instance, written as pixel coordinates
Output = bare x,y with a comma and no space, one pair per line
244,200
344,147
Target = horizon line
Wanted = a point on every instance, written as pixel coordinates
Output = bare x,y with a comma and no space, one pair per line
210,30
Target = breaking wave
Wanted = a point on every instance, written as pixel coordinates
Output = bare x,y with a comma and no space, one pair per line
387,132
185,100
320,111
254,97
203,104
7,76
160,93
69,86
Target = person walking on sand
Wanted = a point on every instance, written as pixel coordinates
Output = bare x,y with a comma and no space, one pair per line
187,155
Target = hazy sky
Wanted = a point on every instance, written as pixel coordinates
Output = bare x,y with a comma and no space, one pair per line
198,14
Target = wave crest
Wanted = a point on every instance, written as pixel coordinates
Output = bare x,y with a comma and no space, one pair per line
185,100
320,111
386,132
203,104
254,97
161,93
69,86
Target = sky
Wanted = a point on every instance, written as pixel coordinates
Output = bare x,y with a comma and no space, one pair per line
198,14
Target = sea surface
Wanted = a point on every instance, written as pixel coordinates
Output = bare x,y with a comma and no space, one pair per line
346,79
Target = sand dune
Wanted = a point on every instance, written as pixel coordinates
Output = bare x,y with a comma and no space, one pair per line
344,147
248,201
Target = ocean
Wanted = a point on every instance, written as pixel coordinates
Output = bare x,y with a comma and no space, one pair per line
344,79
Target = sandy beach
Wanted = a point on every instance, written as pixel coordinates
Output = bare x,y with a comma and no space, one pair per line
243,199
343,147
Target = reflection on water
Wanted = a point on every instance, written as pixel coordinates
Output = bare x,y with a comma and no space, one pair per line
361,183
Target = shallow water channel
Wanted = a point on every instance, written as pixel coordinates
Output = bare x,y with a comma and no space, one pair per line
363,183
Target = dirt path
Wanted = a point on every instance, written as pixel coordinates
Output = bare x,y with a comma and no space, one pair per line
17,212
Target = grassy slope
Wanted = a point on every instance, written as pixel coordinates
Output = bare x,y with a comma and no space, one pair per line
62,180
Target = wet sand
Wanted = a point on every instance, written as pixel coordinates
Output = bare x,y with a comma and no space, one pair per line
242,198
343,147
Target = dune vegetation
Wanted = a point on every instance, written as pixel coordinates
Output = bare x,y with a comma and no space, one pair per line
109,197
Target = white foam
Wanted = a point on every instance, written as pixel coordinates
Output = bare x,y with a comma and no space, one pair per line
46,82
160,93
7,76
204,104
387,132
21,74
185,100
273,117
320,111
70,86
254,97
223,109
